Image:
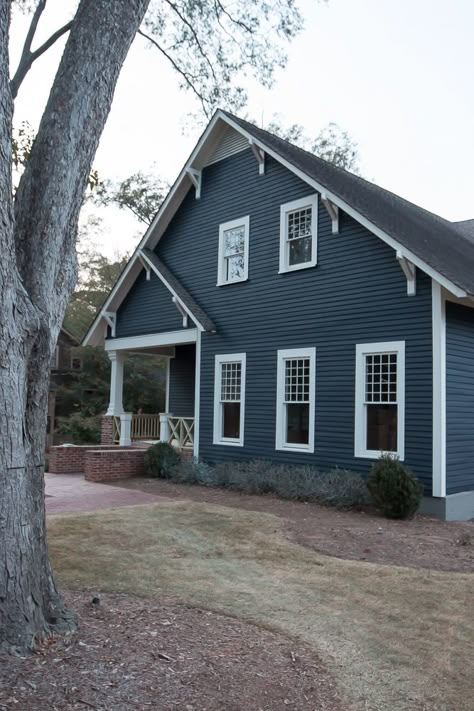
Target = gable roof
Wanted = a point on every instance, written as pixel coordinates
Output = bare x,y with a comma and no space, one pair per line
436,241
443,249
174,286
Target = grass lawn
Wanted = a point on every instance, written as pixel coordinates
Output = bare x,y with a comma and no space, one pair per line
396,638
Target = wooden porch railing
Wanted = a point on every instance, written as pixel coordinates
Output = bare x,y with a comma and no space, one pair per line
178,431
145,427
181,431
116,430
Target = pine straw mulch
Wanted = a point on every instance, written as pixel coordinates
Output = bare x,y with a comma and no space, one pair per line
131,653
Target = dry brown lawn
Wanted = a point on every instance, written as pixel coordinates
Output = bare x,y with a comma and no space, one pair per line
396,638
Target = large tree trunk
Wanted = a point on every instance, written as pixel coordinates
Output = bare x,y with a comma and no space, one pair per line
37,275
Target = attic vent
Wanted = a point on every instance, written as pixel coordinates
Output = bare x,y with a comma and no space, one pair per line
231,142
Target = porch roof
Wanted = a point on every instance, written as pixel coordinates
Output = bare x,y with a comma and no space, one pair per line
178,290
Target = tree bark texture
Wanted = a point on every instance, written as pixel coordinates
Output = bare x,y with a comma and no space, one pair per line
37,275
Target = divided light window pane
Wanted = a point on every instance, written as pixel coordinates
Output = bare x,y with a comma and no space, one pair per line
297,383
231,376
381,401
299,236
234,253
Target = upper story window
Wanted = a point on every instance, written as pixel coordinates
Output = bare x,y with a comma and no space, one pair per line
233,251
296,399
229,399
298,234
380,399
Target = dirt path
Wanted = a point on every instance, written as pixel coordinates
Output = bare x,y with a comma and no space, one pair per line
421,543
133,654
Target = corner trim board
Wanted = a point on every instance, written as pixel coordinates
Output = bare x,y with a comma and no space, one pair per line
438,311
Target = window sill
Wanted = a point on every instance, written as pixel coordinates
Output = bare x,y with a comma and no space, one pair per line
297,267
229,283
375,454
229,442
295,448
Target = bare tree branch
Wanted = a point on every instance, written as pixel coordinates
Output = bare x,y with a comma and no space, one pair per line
27,56
180,71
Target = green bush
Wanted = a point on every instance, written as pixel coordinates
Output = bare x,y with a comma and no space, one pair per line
161,460
393,488
80,429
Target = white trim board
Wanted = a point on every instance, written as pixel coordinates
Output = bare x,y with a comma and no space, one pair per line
438,310
219,360
360,415
169,338
281,411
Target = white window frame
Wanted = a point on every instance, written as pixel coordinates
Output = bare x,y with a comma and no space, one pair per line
280,440
219,360
360,428
232,225
310,201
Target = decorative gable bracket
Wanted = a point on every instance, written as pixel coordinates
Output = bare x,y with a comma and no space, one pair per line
146,266
333,212
196,179
409,270
181,311
259,155
111,319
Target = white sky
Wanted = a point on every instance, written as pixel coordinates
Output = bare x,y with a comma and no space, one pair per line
398,76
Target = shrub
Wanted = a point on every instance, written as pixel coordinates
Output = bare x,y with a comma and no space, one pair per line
338,487
193,472
80,429
393,488
161,460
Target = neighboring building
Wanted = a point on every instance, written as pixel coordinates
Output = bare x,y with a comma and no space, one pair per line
308,316
63,362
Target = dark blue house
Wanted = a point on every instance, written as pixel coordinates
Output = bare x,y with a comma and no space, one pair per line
307,315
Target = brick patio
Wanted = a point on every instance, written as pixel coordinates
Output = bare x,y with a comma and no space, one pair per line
70,492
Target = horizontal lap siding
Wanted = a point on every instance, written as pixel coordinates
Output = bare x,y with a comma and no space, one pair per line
182,378
356,294
147,308
459,398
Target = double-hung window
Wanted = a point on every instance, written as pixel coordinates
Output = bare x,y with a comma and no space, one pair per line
233,251
296,399
229,399
298,234
380,399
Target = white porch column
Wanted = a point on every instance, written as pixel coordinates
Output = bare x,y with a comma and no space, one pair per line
116,383
164,426
125,429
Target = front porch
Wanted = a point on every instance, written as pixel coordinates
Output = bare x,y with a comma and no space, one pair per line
176,425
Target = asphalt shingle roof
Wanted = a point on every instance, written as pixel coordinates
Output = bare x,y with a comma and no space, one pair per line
445,246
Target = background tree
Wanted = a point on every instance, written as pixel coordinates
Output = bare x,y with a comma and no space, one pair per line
141,193
211,45
332,143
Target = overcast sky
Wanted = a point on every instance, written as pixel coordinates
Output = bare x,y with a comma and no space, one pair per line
398,76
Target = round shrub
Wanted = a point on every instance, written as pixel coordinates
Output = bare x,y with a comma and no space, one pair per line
161,460
393,488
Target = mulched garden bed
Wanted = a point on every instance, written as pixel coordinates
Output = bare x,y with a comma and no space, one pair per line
131,653
423,542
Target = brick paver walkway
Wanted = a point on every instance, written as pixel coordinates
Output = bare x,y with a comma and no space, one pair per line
71,492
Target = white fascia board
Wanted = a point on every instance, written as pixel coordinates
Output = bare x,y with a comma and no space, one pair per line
172,291
456,290
96,333
169,338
